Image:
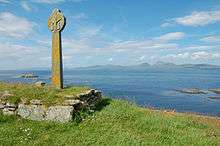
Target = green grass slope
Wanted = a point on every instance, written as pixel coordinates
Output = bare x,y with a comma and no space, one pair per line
115,122
47,94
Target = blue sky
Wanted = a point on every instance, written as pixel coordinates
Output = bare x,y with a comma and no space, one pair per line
99,32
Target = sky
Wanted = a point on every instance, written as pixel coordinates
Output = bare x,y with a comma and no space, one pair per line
118,32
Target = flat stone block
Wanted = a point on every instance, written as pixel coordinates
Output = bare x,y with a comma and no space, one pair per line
60,113
33,112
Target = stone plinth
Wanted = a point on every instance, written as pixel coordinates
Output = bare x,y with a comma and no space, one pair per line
64,112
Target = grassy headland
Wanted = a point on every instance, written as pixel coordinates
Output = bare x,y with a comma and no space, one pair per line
115,122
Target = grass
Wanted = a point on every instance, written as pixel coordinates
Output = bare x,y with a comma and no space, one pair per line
115,122
47,94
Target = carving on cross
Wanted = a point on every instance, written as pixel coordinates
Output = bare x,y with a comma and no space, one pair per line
56,21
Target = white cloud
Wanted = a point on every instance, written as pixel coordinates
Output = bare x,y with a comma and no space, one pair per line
203,55
142,58
211,39
48,1
14,26
172,36
54,1
13,56
201,18
195,19
25,6
5,1
89,31
192,56
166,24
161,42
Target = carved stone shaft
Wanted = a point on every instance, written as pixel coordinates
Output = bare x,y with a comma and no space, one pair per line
57,65
56,23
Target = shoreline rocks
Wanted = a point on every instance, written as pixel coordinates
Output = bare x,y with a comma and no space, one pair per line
214,97
29,76
191,91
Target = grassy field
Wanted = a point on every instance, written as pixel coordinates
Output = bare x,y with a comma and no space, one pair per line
47,94
115,122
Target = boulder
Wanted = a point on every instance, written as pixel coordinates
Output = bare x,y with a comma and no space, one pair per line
40,84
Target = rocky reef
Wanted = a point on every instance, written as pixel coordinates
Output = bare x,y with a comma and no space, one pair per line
191,91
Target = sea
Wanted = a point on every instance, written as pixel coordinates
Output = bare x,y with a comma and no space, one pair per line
148,87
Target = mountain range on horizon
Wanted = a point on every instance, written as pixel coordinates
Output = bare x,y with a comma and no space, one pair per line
159,64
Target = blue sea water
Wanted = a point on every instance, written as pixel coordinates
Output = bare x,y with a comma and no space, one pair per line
151,87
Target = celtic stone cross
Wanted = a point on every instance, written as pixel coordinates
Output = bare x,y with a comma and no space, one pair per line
56,24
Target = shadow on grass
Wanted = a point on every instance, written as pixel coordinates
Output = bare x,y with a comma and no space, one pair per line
81,115
102,103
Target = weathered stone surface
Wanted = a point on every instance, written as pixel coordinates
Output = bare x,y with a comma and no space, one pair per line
40,84
33,112
6,111
10,105
2,106
36,102
56,24
24,110
11,109
72,102
60,113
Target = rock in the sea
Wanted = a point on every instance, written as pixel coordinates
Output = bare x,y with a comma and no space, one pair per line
216,91
192,91
40,84
214,97
29,76
60,113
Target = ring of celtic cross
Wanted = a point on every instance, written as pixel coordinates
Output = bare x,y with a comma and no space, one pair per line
56,21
